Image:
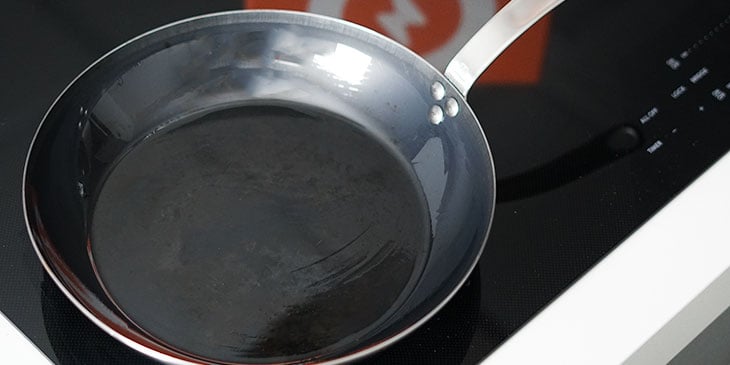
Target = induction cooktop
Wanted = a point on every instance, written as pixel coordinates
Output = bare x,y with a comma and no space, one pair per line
628,105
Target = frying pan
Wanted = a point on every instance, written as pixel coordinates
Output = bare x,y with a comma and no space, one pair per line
265,186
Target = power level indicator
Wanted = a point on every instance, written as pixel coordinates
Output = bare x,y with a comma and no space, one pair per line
704,39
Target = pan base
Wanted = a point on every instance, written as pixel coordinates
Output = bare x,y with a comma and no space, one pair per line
260,234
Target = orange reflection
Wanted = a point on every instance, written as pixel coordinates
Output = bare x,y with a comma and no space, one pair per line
425,26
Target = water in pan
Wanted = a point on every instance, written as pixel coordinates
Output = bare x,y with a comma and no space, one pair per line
260,234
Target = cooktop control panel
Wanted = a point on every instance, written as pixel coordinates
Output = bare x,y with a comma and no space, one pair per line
692,86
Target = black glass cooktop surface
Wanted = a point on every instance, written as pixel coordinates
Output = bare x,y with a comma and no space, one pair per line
629,106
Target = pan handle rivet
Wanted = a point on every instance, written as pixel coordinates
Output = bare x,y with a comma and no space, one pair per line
437,90
452,107
436,115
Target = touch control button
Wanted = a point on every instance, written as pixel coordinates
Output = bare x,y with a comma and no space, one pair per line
623,139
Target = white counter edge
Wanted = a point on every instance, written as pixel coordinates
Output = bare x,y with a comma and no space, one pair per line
16,348
648,298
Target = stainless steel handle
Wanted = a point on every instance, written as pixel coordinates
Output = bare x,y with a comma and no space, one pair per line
493,37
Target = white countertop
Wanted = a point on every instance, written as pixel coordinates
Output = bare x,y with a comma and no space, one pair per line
16,348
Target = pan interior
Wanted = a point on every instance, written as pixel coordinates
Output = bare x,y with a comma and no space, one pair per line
260,233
